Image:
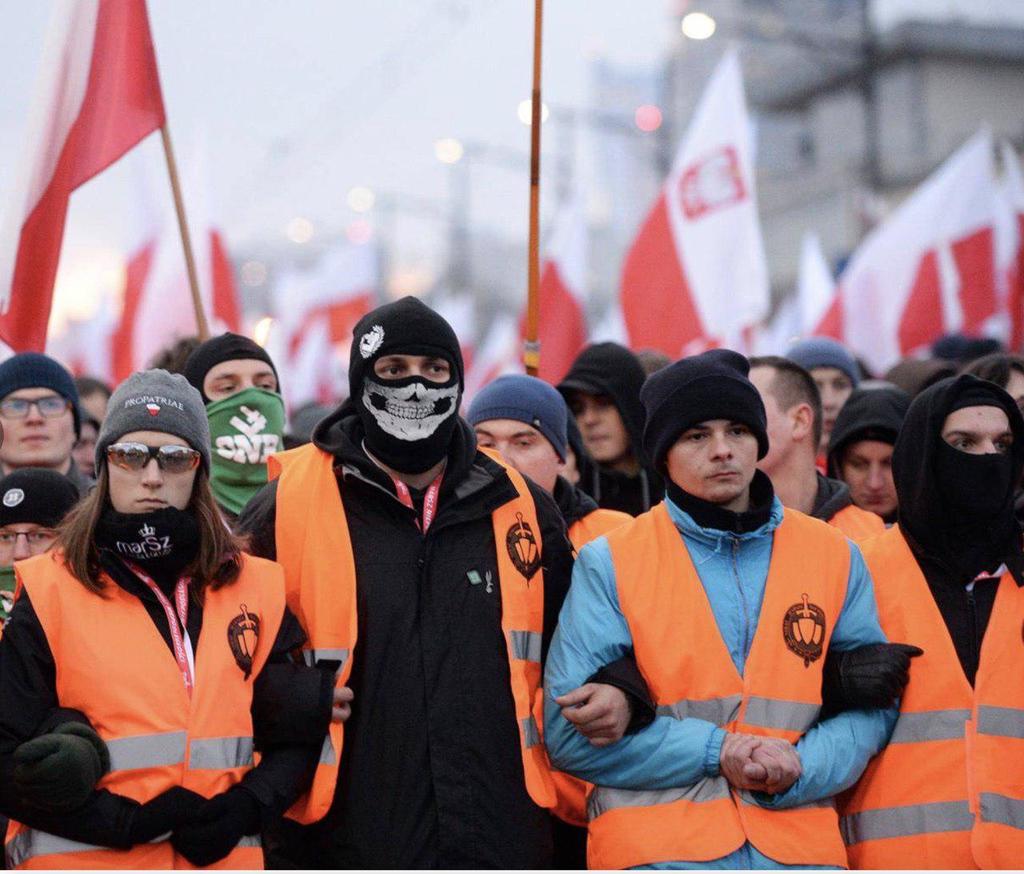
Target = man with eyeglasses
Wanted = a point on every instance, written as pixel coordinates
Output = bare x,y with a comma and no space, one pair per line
39,411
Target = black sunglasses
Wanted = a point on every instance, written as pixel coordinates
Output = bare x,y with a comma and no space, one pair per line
135,456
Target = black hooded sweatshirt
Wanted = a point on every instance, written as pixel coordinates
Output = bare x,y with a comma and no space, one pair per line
951,545
613,371
432,774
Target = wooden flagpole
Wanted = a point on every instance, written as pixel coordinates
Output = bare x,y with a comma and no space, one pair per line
531,348
186,242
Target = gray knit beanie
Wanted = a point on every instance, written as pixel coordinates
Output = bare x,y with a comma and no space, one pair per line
155,400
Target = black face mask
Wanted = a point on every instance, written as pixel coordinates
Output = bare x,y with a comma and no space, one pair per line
976,489
162,542
409,422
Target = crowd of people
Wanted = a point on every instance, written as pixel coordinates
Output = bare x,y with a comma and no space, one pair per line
709,613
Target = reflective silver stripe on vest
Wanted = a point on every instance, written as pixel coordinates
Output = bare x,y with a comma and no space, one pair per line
531,734
31,843
312,656
327,756
1001,721
716,710
605,798
783,715
929,725
219,753
903,822
526,645
1002,809
147,751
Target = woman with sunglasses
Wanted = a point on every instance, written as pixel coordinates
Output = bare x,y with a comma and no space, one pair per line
160,636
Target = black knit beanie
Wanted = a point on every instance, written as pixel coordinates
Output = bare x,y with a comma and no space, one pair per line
405,327
37,496
226,347
709,386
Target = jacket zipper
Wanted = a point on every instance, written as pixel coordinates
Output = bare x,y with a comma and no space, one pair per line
743,598
973,606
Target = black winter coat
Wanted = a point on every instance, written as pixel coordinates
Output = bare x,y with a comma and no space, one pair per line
431,774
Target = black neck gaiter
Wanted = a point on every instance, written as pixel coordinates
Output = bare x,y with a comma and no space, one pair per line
409,422
163,543
714,516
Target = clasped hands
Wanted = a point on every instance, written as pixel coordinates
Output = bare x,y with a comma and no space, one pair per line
759,764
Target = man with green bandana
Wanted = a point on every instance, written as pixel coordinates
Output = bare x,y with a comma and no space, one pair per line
239,384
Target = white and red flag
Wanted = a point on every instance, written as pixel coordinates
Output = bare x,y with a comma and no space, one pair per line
317,310
562,329
804,313
929,268
1010,245
696,275
498,353
98,96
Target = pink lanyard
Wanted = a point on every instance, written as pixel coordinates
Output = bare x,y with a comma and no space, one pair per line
182,645
429,500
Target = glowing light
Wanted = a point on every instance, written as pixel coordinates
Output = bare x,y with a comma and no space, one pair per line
359,232
262,330
299,230
361,199
254,273
525,111
698,25
448,150
647,117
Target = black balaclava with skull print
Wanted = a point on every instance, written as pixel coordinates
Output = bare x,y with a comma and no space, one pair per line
409,422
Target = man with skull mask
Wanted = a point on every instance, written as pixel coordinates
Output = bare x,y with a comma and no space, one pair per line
428,577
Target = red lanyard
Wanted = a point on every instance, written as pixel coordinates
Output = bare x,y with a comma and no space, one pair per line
429,500
182,645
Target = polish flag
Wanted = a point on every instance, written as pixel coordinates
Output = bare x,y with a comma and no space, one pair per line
98,96
696,275
459,311
929,268
803,313
562,327
497,354
1010,244
317,310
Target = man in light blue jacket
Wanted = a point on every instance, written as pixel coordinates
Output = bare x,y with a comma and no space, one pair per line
705,427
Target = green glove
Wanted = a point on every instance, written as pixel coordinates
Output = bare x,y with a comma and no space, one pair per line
58,771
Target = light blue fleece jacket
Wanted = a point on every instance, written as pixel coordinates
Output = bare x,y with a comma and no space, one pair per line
592,632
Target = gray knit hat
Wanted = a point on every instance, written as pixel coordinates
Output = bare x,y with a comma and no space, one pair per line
155,400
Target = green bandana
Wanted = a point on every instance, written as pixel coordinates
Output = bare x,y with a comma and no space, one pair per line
6,592
245,428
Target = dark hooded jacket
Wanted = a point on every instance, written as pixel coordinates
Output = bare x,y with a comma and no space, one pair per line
832,496
432,773
956,509
868,414
613,371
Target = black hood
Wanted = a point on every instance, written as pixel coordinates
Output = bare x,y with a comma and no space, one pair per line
833,495
953,546
573,502
868,414
612,370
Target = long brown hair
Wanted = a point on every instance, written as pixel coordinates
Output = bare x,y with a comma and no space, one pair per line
217,562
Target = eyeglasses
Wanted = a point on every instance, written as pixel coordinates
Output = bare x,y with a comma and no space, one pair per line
135,456
49,407
37,537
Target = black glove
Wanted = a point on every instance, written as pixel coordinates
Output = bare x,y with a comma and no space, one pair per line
869,676
57,772
217,827
170,809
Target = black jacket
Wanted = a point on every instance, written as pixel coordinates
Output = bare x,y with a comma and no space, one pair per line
431,774
29,706
612,370
833,495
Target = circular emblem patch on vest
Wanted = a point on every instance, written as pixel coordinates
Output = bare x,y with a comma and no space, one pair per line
522,548
13,497
243,635
803,629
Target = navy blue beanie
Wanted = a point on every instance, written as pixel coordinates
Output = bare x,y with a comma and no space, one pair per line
35,370
824,352
524,399
701,388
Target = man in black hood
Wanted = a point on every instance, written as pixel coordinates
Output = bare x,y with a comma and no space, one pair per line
602,390
947,791
430,590
861,447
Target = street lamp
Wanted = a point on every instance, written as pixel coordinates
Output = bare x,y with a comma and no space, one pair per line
361,199
697,25
448,150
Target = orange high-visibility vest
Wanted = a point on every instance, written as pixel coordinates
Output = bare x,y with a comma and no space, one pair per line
114,666
857,524
314,546
948,790
689,672
594,525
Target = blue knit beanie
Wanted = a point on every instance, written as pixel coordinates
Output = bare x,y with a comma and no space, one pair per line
524,399
824,352
35,370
